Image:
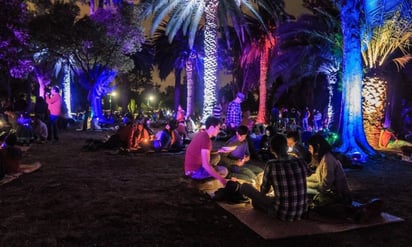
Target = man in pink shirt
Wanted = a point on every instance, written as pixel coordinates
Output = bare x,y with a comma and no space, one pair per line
199,162
54,102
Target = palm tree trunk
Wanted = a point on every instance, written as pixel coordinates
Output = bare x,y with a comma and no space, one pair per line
374,96
264,58
352,132
178,88
190,86
210,79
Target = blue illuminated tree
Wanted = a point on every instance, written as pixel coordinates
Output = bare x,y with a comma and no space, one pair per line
353,135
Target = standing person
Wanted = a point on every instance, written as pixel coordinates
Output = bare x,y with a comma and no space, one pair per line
200,163
287,176
180,115
41,109
217,110
274,118
317,121
234,114
54,102
305,119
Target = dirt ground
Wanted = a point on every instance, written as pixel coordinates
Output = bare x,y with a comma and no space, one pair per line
101,199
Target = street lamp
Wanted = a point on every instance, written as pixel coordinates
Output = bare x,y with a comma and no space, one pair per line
112,94
149,98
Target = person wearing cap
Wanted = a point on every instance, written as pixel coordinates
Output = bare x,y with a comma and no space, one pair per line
234,113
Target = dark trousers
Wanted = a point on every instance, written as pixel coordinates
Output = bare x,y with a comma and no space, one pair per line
53,129
259,200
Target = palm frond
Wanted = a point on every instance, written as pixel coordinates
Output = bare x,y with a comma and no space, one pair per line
402,61
395,34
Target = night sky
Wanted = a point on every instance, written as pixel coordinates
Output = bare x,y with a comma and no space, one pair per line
294,7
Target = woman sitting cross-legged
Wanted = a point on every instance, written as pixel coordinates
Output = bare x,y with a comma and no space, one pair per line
329,186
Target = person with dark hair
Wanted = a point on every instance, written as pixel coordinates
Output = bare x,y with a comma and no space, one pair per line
286,175
235,159
21,105
41,109
264,154
123,138
170,138
39,130
329,176
200,163
234,113
11,157
332,196
54,102
296,147
141,137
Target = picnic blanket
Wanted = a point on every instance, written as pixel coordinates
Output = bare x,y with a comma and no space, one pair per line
25,170
271,228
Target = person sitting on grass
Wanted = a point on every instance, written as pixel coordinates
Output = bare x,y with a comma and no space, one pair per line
296,147
143,137
286,176
39,130
170,139
123,138
237,155
264,153
11,156
200,163
329,188
388,139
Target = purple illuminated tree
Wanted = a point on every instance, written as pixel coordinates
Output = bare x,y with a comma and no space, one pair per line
97,47
14,56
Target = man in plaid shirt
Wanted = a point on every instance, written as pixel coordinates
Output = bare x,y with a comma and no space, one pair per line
234,114
287,176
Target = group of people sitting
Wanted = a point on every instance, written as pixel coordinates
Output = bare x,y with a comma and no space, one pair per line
293,180
137,135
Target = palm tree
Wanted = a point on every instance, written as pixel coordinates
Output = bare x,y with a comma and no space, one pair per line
381,43
312,44
186,15
259,49
353,135
177,56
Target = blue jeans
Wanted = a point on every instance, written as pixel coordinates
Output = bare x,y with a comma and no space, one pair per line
53,128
